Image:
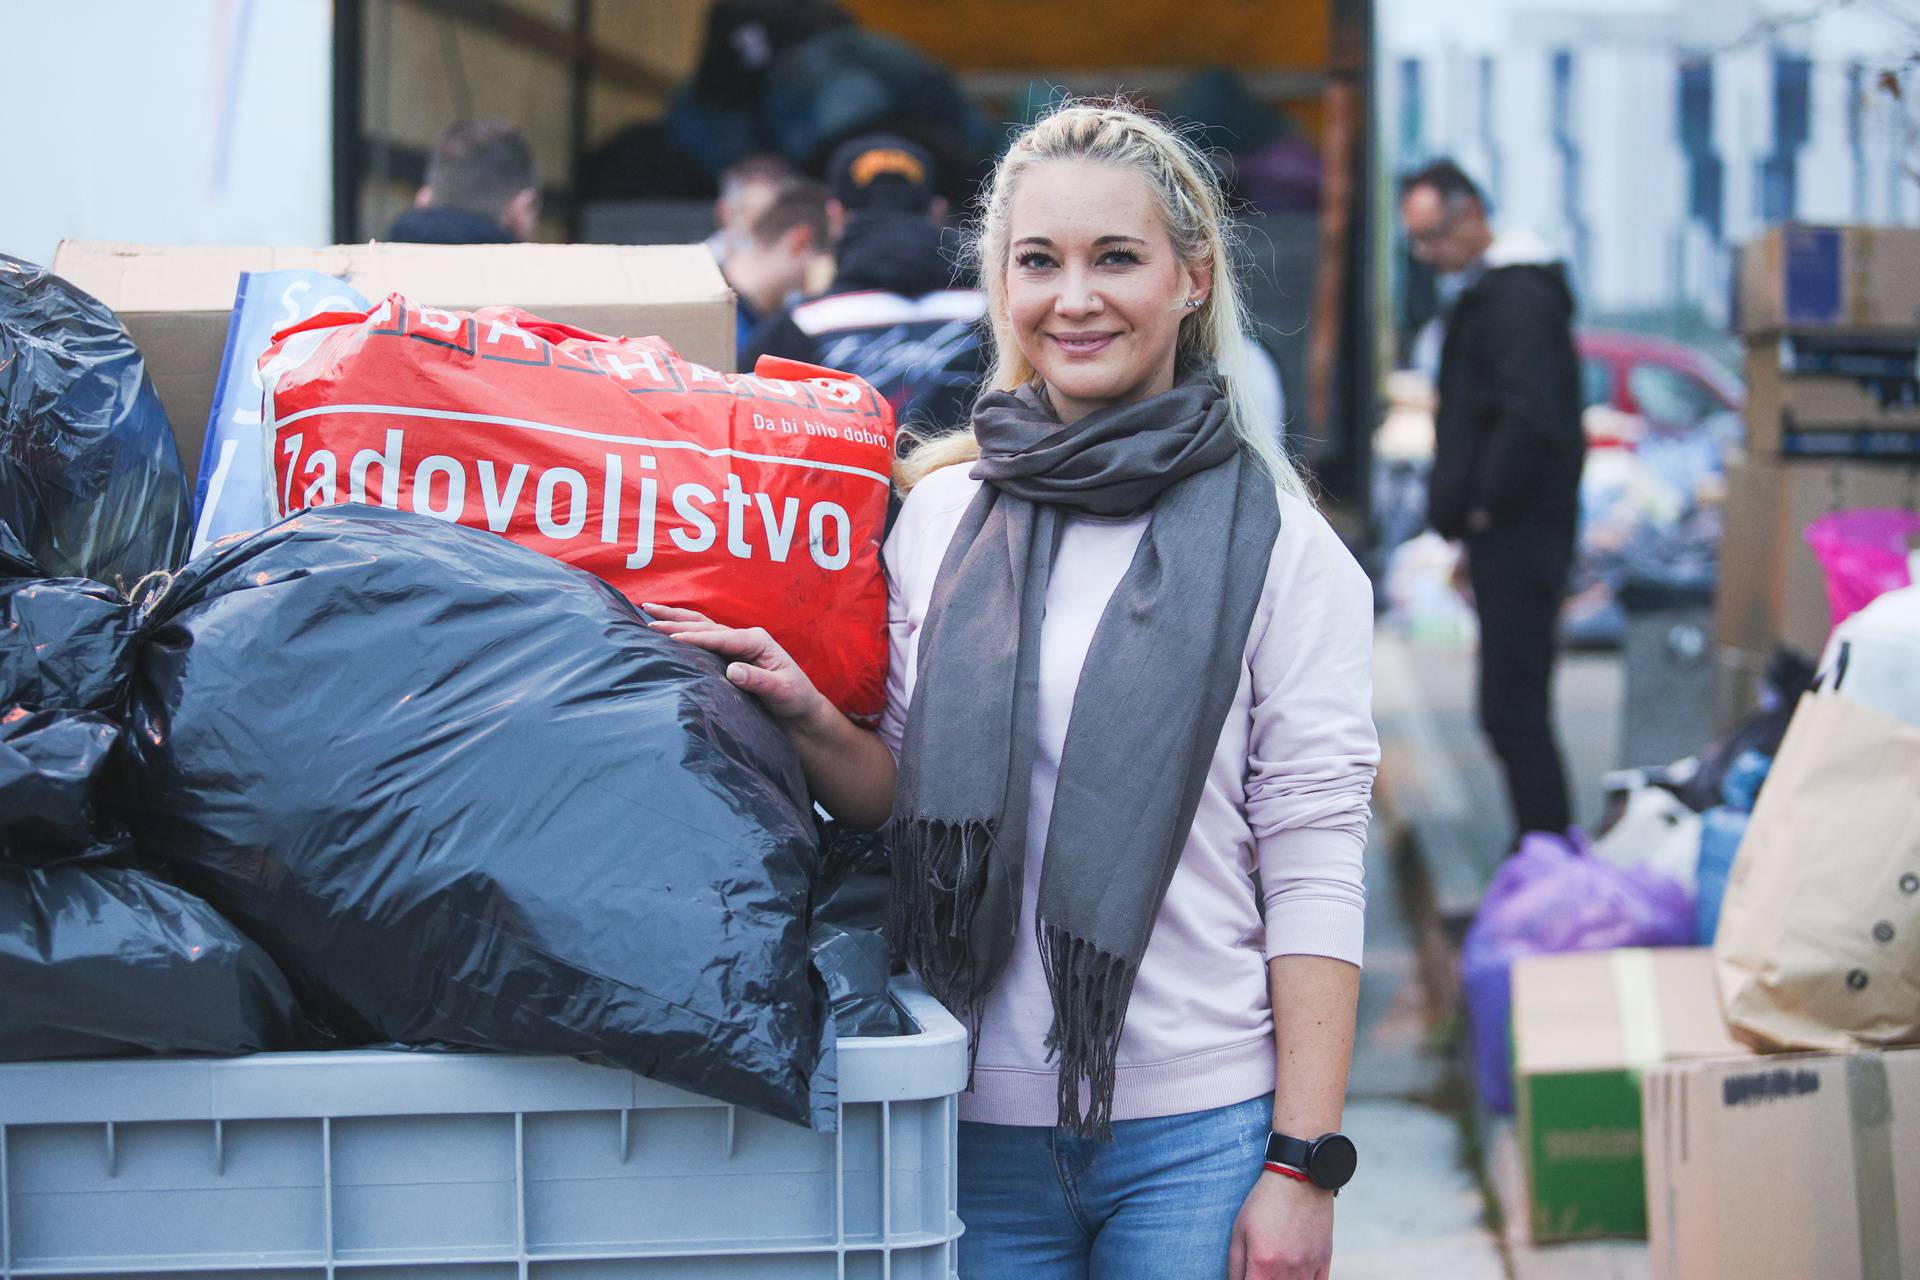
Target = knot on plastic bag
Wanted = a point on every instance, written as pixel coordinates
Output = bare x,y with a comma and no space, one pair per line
149,591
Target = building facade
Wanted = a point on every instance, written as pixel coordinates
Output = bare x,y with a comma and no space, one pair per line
1646,139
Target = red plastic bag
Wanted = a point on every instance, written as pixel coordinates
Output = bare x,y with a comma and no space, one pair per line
759,499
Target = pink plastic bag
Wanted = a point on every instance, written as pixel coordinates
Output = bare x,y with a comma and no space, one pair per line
1864,554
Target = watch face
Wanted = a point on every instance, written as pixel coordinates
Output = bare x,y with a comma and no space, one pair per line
1333,1161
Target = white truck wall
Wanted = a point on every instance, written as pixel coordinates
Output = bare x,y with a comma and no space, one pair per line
189,121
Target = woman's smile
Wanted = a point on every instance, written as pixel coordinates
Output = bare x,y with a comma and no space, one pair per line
1083,344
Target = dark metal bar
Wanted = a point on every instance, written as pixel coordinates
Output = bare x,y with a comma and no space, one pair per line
348,26
1342,400
580,110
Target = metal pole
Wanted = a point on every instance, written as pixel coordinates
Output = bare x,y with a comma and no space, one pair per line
348,27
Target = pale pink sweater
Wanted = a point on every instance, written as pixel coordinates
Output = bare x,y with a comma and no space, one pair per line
1273,865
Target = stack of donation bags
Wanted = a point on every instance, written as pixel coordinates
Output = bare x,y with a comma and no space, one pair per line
1754,1108
758,499
376,774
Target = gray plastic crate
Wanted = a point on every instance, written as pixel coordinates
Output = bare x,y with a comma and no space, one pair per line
432,1166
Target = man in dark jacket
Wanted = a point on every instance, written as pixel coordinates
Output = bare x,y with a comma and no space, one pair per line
893,314
769,261
481,188
1507,453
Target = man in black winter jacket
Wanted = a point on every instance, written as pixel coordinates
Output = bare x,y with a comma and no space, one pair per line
1508,448
481,188
894,314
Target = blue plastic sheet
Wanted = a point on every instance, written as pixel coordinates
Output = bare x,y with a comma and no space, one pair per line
234,494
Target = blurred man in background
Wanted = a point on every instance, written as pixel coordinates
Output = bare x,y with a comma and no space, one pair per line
747,189
893,313
482,188
769,262
1507,456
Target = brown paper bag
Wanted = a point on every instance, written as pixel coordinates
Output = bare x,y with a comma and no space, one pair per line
1819,941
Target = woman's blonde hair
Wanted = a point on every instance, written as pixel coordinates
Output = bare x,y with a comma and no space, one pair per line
1197,219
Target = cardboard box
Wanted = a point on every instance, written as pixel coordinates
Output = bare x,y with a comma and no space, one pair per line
1738,677
1772,590
176,299
1785,1168
1804,277
1844,395
1744,609
1584,1028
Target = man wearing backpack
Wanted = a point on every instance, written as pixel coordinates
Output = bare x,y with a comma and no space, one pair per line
893,314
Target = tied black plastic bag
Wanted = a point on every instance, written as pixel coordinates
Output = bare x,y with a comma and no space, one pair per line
848,933
49,762
466,796
98,956
90,476
64,642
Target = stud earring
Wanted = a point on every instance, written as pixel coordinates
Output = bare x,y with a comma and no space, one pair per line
1194,302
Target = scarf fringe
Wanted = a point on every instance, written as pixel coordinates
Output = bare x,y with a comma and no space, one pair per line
939,881
1090,990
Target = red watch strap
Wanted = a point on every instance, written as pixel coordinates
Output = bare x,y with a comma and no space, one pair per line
1287,1171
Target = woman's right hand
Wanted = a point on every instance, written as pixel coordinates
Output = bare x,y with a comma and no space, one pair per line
849,769
757,664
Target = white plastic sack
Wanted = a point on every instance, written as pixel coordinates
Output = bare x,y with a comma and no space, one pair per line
1873,658
1656,831
1420,591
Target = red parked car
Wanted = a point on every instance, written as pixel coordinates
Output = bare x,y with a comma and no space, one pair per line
1668,383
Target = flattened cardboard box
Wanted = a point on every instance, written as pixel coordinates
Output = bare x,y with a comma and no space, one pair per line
1744,610
1806,277
1584,1028
1809,397
1791,1167
176,300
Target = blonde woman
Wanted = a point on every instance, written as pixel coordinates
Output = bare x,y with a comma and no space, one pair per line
1127,753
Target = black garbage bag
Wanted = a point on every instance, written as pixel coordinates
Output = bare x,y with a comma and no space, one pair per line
716,118
97,955
1222,113
50,764
90,476
842,83
467,797
64,642
1789,674
848,933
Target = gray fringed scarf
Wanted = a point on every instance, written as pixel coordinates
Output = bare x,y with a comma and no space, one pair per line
1160,676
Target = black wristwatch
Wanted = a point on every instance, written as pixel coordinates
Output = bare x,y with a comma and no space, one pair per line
1327,1162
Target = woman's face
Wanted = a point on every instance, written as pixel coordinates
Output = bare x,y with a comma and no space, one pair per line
1095,291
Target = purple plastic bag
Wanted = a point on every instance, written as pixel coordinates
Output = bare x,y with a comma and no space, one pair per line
1864,555
1280,177
1549,898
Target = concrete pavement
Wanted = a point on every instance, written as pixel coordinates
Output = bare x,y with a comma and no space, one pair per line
1439,778
1450,1201
1415,1206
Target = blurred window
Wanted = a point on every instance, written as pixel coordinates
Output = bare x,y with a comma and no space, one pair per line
1596,382
1669,397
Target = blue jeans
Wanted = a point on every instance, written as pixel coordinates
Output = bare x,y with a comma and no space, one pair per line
1157,1203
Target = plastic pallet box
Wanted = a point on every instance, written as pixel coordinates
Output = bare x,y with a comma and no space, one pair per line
387,1165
